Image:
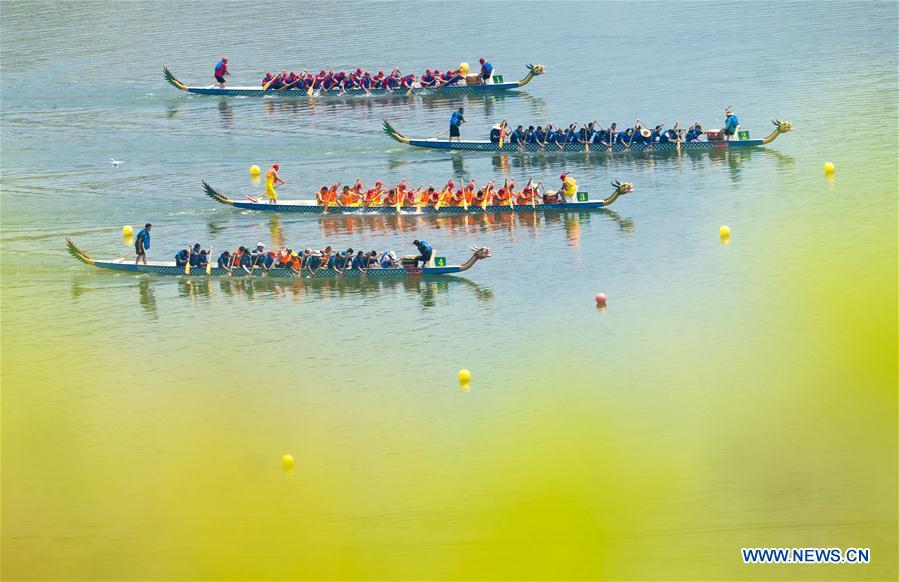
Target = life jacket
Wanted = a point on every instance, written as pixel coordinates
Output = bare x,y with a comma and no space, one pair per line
569,186
390,198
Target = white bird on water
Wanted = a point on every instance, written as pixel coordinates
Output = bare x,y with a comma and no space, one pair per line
116,162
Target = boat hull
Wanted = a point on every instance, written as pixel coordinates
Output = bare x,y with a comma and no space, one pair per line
171,270
309,207
487,146
299,93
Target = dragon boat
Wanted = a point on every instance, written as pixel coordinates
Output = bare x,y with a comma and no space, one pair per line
438,267
533,71
780,127
314,207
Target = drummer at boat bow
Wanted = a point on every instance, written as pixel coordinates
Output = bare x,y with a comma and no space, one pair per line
424,252
731,124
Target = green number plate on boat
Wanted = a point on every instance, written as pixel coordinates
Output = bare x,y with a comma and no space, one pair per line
440,262
583,196
497,78
743,135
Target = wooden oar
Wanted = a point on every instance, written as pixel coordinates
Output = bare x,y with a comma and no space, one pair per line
439,202
586,140
420,200
289,85
187,264
311,87
209,261
486,197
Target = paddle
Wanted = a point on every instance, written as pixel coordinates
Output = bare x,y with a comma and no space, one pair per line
441,198
486,195
586,140
421,198
187,264
311,87
233,258
533,193
634,134
509,194
209,261
288,86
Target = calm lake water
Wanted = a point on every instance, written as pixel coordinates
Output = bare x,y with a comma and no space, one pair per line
731,395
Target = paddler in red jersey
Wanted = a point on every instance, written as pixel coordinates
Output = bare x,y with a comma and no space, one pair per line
221,71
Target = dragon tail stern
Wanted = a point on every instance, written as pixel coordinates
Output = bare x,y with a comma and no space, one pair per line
213,193
170,78
78,253
393,133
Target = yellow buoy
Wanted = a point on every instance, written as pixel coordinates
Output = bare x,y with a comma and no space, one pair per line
127,230
828,167
724,231
287,461
463,68
464,375
254,170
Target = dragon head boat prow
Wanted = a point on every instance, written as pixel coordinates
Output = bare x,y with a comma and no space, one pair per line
621,188
478,254
533,71
779,128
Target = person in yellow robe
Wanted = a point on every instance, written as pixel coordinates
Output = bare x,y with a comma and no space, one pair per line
272,180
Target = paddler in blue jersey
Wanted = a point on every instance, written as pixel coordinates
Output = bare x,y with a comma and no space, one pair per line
731,124
221,71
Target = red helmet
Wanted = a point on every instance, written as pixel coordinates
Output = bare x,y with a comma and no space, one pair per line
225,59
563,176
276,166
451,184
428,71
358,71
481,60
436,71
323,72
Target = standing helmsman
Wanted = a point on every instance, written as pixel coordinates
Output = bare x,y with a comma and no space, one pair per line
455,121
272,180
221,71
142,243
